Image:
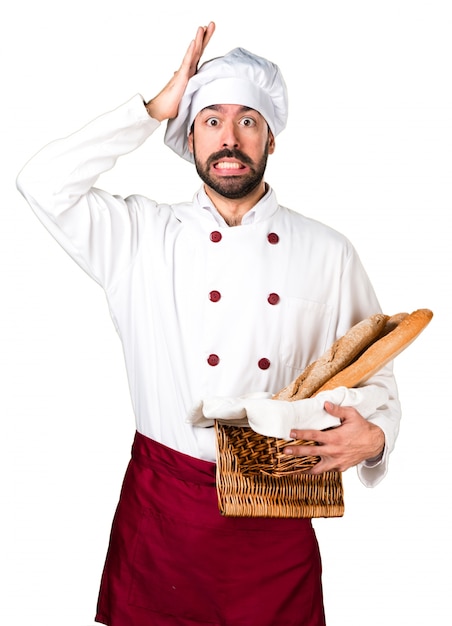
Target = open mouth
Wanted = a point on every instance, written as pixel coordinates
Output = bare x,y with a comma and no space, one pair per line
229,167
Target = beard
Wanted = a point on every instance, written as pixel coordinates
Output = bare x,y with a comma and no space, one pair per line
232,187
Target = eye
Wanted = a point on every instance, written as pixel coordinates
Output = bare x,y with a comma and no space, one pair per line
248,122
212,121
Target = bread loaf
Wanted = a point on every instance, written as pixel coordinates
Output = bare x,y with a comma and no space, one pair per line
402,329
392,322
339,355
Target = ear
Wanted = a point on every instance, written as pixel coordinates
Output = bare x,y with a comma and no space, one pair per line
190,141
271,142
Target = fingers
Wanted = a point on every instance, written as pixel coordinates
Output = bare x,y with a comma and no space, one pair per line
208,32
196,49
340,448
334,409
321,437
304,435
326,461
166,104
302,450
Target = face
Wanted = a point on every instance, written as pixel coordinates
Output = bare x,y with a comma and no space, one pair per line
230,145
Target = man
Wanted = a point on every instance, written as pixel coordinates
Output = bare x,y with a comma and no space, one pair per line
222,296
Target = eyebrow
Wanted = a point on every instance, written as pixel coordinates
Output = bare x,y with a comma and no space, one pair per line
219,108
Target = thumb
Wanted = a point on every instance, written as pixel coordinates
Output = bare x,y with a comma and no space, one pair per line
336,410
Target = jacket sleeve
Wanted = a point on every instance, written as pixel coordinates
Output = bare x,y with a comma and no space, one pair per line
97,229
358,301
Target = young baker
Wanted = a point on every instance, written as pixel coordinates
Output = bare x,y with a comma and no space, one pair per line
227,294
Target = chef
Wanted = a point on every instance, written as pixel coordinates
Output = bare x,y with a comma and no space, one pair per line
222,296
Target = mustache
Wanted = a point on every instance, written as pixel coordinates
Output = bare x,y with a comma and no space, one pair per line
230,154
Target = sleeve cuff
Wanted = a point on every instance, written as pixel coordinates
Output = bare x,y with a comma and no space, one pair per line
375,460
372,471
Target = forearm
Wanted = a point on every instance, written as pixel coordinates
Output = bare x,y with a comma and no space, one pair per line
65,170
373,470
87,222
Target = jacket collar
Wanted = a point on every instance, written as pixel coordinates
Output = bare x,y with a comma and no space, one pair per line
264,209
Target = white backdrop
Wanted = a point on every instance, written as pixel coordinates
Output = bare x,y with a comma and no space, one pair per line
367,150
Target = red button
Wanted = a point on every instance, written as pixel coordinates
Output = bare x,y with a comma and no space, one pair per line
214,296
273,298
213,359
215,236
264,364
272,238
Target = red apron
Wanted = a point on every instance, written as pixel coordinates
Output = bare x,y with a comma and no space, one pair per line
174,560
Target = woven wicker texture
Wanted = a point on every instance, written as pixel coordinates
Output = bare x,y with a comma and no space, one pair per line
246,490
257,453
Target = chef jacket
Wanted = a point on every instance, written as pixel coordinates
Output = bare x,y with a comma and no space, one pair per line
202,309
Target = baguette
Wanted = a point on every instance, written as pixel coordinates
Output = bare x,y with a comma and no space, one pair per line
401,330
340,355
392,322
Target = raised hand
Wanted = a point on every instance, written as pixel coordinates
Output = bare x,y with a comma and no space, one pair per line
166,104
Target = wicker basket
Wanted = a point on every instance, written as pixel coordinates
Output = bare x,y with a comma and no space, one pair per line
258,454
255,479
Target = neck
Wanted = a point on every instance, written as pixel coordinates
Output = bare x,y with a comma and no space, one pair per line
233,210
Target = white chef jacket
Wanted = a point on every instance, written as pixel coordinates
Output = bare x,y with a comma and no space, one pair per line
202,309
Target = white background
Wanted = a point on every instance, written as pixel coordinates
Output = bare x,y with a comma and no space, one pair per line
367,150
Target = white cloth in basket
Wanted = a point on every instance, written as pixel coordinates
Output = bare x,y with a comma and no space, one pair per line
276,418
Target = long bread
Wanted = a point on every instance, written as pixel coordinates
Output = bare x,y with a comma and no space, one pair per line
381,352
359,354
335,359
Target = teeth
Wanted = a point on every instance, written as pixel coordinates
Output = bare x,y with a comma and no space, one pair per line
227,165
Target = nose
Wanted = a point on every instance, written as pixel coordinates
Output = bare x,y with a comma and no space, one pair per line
229,136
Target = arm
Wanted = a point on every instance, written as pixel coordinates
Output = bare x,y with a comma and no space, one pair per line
365,443
58,182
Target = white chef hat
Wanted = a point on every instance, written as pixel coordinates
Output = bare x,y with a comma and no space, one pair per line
239,77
